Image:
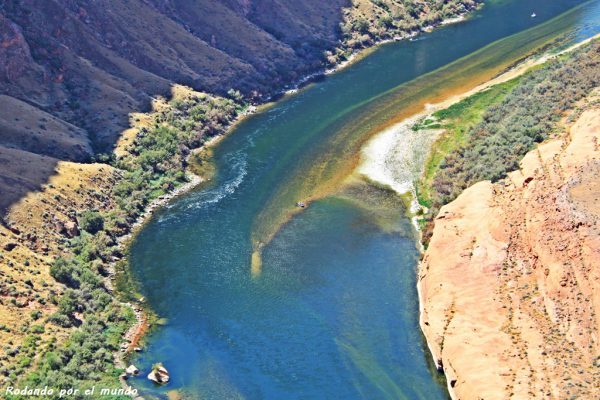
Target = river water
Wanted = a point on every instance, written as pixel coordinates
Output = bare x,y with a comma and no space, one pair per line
266,301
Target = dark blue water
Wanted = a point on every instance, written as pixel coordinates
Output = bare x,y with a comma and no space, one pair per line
333,312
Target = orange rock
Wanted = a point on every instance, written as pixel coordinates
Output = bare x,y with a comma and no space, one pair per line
510,283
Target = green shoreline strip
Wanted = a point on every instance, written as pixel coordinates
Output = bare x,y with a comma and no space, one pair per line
324,168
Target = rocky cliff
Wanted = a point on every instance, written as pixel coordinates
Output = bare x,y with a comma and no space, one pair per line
510,283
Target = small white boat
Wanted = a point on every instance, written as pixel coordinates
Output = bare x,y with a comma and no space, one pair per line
533,15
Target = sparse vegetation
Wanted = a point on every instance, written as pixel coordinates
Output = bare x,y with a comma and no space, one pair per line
511,125
154,165
375,20
157,159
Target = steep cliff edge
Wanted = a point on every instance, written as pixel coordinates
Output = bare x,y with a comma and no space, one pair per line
510,282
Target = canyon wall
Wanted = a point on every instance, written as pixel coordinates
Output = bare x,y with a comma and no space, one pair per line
510,282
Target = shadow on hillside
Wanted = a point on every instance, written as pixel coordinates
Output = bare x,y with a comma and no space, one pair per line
22,172
92,78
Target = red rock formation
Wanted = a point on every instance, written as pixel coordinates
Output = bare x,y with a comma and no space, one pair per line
510,283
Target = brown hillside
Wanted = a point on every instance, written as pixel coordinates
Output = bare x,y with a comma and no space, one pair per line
79,68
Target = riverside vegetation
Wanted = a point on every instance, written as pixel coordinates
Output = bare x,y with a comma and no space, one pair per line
152,166
368,22
68,83
488,133
60,261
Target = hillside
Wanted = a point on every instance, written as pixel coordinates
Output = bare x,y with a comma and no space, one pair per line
72,71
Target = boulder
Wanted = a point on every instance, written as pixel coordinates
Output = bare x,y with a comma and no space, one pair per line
10,246
71,229
159,374
132,370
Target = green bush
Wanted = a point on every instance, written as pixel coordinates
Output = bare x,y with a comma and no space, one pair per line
36,314
155,165
511,128
65,272
91,221
37,329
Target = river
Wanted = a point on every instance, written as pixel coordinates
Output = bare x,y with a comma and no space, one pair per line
264,300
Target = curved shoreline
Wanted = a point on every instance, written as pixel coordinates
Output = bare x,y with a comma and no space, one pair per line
141,311
141,326
371,166
381,145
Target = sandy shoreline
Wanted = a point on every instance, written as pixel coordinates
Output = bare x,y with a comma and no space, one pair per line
381,147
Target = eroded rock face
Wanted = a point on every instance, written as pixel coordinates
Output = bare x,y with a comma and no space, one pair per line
510,283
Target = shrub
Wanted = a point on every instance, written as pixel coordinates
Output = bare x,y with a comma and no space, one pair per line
37,329
91,221
509,129
65,272
155,164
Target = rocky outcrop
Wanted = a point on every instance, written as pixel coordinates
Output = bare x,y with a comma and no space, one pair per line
159,374
132,370
15,56
510,283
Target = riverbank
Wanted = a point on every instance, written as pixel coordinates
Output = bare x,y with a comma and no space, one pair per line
84,219
507,287
450,302
144,317
357,55
331,165
396,157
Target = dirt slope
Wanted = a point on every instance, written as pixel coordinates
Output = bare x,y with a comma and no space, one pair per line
38,227
510,283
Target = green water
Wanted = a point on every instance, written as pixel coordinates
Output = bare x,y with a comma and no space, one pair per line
332,312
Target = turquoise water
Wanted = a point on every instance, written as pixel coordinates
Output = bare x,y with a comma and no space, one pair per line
333,313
